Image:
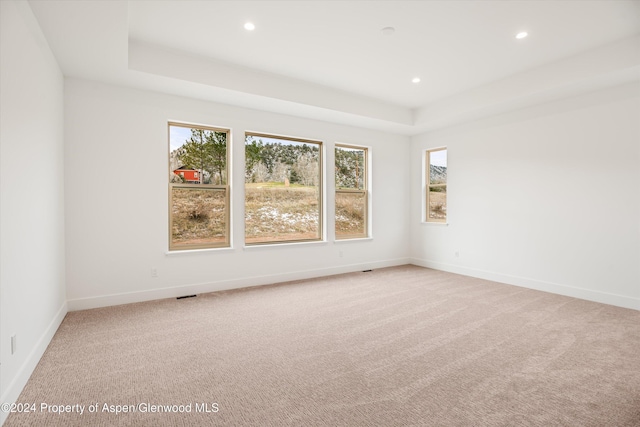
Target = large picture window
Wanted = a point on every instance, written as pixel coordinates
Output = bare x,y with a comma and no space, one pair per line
436,185
351,198
198,187
283,189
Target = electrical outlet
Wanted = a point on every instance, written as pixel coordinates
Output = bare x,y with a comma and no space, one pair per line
457,254
13,344
154,272
340,254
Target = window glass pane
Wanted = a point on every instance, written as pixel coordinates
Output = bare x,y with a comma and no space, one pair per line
198,192
197,155
351,213
350,168
198,217
437,203
436,184
438,167
282,190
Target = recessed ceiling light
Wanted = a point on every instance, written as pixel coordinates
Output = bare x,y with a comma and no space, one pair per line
415,80
249,26
522,35
387,31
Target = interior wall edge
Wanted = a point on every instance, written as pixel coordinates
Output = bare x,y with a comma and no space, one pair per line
31,361
223,285
538,285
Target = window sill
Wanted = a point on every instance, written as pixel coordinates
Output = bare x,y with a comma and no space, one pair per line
440,224
355,239
197,251
283,245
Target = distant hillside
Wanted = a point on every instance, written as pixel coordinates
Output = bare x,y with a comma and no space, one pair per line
437,174
174,159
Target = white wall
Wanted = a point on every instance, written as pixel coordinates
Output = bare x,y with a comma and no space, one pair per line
546,197
32,277
116,200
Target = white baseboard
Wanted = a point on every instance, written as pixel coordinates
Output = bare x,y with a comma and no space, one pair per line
15,387
555,288
173,292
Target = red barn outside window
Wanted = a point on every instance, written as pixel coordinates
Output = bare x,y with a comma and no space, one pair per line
189,175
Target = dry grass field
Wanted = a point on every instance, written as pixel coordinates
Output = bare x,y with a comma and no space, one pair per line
273,213
437,205
350,214
198,217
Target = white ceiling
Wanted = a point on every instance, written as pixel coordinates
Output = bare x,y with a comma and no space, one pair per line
330,59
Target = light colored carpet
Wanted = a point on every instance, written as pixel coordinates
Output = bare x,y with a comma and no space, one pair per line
402,346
